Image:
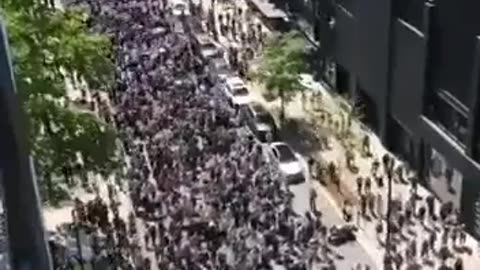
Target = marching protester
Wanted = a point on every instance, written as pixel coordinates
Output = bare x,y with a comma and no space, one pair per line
204,193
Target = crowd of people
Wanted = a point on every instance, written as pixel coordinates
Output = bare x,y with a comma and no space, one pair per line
204,192
203,188
416,223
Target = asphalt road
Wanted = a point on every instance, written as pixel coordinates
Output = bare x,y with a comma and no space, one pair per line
346,256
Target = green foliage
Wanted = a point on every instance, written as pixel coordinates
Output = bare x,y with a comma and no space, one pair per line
49,47
283,64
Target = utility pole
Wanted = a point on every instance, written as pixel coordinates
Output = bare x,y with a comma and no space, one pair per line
28,249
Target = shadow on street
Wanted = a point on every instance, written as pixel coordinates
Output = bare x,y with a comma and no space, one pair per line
300,136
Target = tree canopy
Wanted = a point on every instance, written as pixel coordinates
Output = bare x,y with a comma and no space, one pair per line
284,62
50,47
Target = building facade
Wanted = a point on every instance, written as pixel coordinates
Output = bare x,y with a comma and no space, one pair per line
415,66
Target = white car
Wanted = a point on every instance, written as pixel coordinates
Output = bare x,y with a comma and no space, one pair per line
219,70
237,91
289,162
180,7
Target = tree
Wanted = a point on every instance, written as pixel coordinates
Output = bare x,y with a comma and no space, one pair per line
51,47
282,67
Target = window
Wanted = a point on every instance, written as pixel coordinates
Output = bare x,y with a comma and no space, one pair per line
449,117
410,11
444,179
285,154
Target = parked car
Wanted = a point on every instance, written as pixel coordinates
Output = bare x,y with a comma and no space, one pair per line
342,235
289,162
261,122
208,48
219,70
180,7
237,91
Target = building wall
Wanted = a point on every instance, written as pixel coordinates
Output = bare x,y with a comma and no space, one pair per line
361,46
408,76
403,53
456,25
344,39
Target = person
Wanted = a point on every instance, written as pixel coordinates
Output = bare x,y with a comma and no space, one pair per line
371,203
347,211
458,264
431,206
398,260
368,184
454,235
375,166
424,249
421,215
313,197
359,185
463,237
445,235
366,146
401,222
312,168
432,240
358,218
363,205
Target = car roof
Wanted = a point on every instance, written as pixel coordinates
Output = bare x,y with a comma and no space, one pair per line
235,81
203,39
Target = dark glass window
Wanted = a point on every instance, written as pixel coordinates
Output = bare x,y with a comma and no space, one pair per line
449,118
411,11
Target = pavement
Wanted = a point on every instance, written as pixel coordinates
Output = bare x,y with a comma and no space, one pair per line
401,192
330,202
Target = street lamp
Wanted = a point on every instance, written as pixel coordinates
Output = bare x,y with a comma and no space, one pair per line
26,234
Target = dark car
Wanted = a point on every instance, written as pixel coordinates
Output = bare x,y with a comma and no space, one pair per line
342,235
261,122
207,48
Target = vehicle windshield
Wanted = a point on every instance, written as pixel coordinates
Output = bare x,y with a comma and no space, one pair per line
240,91
264,118
262,135
286,155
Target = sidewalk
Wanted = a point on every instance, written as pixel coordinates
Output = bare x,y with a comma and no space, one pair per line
328,201
367,236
